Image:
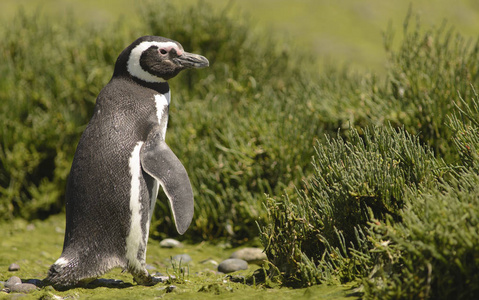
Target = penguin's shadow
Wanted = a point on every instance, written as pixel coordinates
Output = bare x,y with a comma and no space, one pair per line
109,283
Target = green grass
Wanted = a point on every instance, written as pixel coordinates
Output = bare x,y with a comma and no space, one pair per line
36,245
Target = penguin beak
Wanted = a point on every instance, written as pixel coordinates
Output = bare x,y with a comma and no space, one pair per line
190,60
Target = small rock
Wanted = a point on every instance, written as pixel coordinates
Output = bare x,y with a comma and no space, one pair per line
209,261
170,243
13,267
160,278
171,288
23,288
251,255
232,265
14,280
183,258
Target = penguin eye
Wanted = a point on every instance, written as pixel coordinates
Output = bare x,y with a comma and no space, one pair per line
163,51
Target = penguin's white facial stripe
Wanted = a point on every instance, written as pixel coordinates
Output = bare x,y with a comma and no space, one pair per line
133,64
134,239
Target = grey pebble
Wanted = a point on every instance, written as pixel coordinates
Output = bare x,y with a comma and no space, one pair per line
209,261
23,288
183,258
170,243
251,255
14,280
171,288
231,265
162,277
13,267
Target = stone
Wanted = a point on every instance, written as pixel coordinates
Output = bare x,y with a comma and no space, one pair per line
23,288
251,255
150,267
209,261
13,267
183,258
160,278
232,264
171,288
170,243
14,280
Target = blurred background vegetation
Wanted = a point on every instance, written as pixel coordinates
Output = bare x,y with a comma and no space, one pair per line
344,135
343,32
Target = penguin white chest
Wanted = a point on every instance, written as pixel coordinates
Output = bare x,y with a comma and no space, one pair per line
136,239
162,102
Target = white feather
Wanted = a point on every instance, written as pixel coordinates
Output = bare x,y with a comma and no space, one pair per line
134,239
62,262
162,101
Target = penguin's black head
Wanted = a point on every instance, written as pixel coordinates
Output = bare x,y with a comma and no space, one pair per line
156,59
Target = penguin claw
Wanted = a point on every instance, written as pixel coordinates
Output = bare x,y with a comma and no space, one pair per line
147,280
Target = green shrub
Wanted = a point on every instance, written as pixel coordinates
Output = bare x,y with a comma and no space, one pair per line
425,75
432,254
465,129
370,175
48,86
311,238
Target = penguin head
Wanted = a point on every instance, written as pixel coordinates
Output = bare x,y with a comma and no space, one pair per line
156,59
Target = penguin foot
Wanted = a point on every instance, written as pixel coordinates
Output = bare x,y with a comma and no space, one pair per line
144,278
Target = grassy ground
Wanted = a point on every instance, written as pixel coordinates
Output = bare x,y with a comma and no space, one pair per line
347,31
35,246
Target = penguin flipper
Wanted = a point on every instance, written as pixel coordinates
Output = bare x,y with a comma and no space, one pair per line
161,163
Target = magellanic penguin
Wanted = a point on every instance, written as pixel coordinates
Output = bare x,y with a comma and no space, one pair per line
119,163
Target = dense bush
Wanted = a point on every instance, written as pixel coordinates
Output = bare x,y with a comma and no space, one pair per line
367,177
432,254
383,208
425,75
48,88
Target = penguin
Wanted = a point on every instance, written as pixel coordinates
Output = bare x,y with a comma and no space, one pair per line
119,164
